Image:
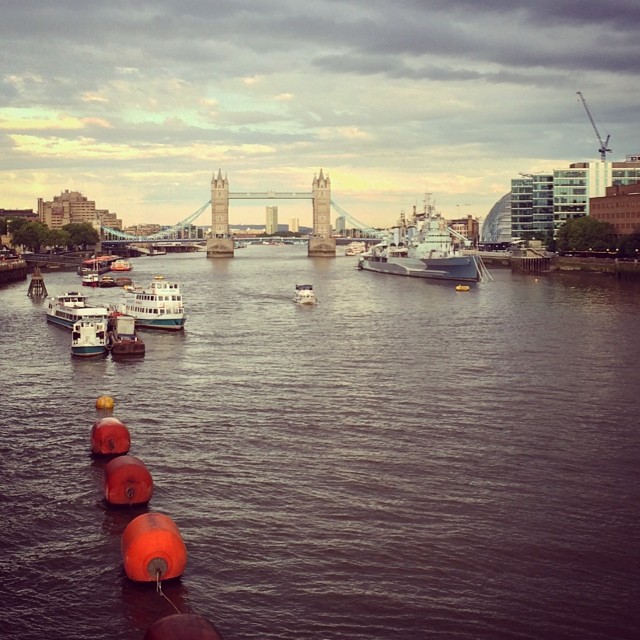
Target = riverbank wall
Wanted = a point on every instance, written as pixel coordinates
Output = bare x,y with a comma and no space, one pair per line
538,263
12,271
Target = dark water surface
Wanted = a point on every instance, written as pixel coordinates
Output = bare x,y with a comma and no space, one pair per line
400,462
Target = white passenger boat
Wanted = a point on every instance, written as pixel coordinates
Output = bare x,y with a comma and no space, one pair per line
67,309
158,306
305,294
89,338
354,248
91,279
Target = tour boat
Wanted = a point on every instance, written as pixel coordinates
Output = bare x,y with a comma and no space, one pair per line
91,279
305,294
67,309
123,339
159,306
121,265
89,338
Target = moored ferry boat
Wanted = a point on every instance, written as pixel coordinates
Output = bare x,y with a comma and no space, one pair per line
159,306
67,309
89,338
121,265
424,247
101,264
91,279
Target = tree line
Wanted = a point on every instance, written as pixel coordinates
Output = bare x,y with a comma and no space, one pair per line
33,236
589,234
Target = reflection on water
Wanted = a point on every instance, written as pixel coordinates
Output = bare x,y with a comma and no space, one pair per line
402,460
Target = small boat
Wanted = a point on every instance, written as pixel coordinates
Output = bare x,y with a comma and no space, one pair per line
67,309
462,287
89,338
123,282
305,294
354,248
91,279
107,281
158,306
121,265
123,339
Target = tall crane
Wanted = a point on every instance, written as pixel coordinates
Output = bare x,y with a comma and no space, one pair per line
604,148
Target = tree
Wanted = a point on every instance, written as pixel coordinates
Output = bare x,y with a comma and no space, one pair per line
81,235
629,246
30,235
586,234
57,238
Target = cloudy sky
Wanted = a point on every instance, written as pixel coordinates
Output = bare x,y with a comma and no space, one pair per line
137,103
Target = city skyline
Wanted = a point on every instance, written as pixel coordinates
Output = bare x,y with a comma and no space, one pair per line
138,106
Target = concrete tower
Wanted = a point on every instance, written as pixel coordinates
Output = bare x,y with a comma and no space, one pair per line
220,244
321,244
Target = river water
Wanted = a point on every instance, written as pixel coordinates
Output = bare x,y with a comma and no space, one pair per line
400,461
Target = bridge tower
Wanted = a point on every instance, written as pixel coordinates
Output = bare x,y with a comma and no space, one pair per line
220,244
321,244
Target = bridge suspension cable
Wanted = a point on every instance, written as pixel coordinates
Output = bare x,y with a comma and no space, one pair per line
372,231
160,235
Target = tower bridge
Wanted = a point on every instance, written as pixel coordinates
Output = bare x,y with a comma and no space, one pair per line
220,244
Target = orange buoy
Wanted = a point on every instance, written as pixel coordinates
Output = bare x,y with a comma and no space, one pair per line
182,626
127,481
110,436
152,548
104,402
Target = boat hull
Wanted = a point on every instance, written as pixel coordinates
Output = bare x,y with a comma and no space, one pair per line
127,348
462,268
164,324
89,351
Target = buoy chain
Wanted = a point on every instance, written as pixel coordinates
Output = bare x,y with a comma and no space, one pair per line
162,594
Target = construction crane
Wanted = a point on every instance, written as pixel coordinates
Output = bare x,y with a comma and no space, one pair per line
604,148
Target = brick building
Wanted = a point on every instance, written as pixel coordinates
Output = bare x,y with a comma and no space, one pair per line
620,206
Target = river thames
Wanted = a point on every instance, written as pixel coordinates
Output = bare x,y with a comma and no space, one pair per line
401,461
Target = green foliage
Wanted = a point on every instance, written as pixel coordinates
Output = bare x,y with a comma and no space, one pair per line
58,238
16,223
30,235
586,234
81,235
629,246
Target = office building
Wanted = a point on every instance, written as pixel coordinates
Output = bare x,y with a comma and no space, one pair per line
542,203
294,225
71,207
271,226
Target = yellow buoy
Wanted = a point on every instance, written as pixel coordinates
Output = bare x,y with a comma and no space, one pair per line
104,402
